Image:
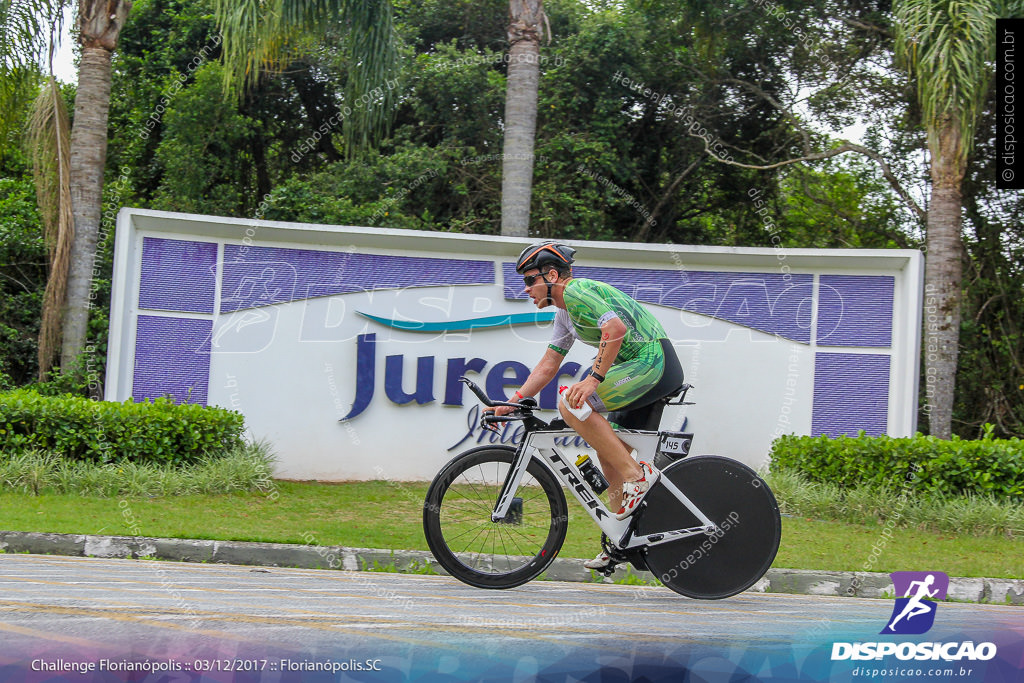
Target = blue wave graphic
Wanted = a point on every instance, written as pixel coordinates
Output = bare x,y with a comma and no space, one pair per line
463,325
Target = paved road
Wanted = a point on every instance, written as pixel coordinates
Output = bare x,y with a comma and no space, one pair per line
212,622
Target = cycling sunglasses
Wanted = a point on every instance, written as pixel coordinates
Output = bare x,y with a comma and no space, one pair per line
530,279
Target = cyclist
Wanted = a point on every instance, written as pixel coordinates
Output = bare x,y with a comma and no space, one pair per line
634,367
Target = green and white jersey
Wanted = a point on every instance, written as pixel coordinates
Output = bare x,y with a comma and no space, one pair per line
589,304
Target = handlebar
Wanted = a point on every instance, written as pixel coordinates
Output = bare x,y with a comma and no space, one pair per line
524,407
525,403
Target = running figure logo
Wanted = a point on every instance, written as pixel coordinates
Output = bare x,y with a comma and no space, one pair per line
914,613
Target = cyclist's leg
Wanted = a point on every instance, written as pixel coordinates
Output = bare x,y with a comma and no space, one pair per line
638,383
616,463
624,384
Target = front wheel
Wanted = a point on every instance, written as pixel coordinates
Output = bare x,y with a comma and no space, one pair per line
729,560
478,551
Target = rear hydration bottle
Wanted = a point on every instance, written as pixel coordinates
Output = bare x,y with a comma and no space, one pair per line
591,473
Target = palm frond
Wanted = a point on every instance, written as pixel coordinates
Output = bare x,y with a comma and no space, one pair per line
49,143
244,50
28,34
18,89
26,24
375,64
264,35
949,47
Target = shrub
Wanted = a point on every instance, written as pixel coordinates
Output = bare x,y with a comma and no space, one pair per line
247,467
870,504
99,431
988,467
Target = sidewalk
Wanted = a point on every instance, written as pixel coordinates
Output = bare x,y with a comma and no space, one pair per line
802,581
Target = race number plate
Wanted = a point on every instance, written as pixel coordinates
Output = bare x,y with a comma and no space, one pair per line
675,444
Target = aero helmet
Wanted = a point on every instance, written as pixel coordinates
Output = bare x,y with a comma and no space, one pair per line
544,254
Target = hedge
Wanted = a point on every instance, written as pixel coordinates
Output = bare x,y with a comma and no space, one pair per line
987,466
99,431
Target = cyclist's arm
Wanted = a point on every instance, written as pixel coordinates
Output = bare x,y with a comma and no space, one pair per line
542,373
613,331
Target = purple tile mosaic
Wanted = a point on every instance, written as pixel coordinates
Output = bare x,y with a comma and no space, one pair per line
178,275
172,357
851,392
855,310
257,276
763,301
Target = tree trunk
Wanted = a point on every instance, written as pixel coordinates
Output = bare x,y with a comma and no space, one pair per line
100,23
524,30
943,274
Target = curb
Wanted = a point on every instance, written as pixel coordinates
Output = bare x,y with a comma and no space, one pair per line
797,581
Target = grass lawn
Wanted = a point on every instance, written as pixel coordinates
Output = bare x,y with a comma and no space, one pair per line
388,515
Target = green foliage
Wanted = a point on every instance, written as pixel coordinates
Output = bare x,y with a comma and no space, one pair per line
441,170
201,130
386,190
157,44
630,578
82,379
870,504
22,279
600,160
841,203
411,567
610,163
243,468
920,464
990,372
100,431
27,30
949,50
605,154
478,24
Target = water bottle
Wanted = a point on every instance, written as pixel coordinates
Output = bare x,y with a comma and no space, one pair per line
581,413
591,473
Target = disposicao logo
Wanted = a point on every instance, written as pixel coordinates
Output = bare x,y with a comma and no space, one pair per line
914,614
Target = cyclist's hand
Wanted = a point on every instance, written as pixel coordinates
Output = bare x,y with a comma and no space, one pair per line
578,393
493,427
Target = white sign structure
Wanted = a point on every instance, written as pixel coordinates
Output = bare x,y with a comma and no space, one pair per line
343,346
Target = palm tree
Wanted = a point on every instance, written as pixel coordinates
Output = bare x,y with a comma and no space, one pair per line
949,47
99,24
255,34
29,37
255,37
527,22
69,175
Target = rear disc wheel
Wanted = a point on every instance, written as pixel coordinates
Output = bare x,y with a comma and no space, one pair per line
729,560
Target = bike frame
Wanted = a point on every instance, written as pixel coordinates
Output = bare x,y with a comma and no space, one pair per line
540,445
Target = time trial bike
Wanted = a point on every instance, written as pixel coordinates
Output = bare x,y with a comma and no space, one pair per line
496,516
